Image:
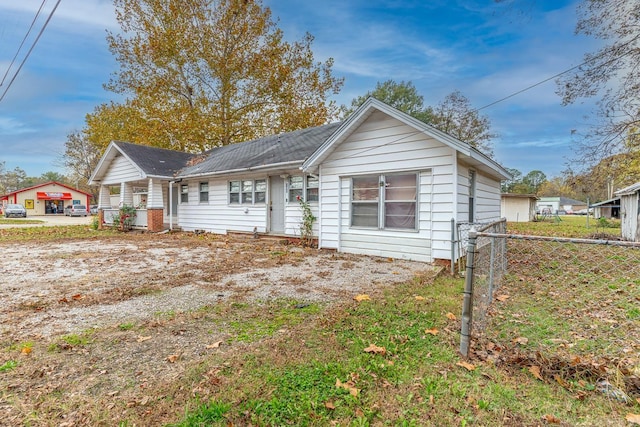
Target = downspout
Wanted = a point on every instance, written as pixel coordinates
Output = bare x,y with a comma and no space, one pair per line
171,202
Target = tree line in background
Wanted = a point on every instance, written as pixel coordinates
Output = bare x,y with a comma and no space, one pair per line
16,179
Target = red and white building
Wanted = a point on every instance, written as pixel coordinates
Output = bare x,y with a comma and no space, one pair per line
49,198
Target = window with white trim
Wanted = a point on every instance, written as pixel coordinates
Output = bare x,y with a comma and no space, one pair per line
304,187
247,192
260,191
184,193
385,201
312,188
204,192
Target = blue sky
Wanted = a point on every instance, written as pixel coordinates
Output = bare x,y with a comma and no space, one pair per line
484,49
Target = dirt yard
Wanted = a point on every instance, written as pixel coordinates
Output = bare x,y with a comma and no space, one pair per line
152,308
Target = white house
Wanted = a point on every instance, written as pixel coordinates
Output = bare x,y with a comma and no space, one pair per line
630,212
380,183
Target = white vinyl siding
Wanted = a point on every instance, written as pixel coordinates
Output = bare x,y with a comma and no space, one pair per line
220,216
120,170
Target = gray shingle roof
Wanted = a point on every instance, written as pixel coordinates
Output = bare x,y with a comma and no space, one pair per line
293,146
155,161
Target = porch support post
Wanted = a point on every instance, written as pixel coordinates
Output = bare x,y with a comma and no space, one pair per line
104,202
126,194
155,206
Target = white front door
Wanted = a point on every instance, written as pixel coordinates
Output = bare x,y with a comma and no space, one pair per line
276,204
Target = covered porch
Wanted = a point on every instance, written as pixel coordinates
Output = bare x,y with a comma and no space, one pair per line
153,202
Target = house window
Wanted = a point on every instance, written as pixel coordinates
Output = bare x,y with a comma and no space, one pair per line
260,195
385,201
184,193
400,195
204,192
305,187
364,201
472,195
234,192
247,192
312,188
296,187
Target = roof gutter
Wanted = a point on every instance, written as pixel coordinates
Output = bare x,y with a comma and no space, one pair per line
251,169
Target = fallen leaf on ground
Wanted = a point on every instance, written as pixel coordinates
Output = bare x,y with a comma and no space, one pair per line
25,350
143,339
349,385
535,371
468,366
633,418
215,344
433,331
521,340
419,298
561,381
551,419
451,316
375,349
77,296
502,297
362,297
329,405
173,358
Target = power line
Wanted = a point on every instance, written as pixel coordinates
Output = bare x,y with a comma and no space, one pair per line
33,45
23,40
595,58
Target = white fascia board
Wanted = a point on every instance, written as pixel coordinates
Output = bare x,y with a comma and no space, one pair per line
108,154
366,109
274,166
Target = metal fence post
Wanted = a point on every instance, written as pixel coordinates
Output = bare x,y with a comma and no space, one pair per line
467,307
492,260
453,246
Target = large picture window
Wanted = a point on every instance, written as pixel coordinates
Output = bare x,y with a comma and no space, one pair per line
247,192
385,201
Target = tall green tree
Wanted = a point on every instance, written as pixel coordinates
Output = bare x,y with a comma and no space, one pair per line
454,115
52,176
12,180
508,185
534,180
203,73
403,96
611,74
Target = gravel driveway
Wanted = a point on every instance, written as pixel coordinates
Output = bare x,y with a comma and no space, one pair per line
65,287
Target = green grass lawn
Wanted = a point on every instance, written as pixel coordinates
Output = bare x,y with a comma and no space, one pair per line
393,360
566,226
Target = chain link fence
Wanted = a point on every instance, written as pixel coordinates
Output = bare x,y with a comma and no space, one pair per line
460,239
598,280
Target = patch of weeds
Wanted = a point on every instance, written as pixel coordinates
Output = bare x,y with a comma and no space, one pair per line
205,414
169,314
8,366
633,313
70,341
126,326
265,322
